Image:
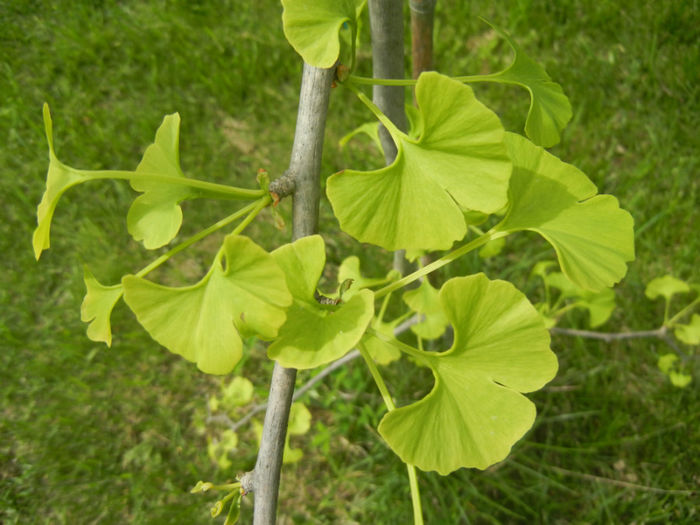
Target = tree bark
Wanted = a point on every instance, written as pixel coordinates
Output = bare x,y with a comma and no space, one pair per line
304,171
422,14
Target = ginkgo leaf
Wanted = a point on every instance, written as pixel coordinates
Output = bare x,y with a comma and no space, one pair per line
155,217
237,392
689,333
459,162
592,236
315,334
600,305
59,179
349,269
299,419
203,322
97,307
425,300
492,248
312,27
550,109
371,129
476,411
382,352
666,287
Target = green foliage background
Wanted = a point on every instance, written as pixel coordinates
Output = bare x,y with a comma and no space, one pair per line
90,434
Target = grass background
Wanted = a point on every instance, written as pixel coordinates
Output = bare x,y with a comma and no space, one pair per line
96,435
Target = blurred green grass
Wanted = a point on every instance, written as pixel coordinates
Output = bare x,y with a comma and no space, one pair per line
90,434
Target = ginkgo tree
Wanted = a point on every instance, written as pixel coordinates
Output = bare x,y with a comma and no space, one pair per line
456,171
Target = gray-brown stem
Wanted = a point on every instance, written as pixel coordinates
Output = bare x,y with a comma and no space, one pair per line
304,169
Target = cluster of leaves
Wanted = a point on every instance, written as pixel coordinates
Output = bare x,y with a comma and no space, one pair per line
232,397
560,296
672,364
456,169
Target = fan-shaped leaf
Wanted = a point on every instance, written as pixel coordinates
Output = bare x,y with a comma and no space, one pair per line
689,333
550,109
97,307
315,334
312,27
475,411
459,162
666,287
58,179
592,236
155,217
203,322
349,269
380,350
425,300
371,129
600,305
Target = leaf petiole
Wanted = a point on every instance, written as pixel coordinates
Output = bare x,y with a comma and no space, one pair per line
419,355
254,207
389,402
382,81
439,263
210,189
687,309
388,124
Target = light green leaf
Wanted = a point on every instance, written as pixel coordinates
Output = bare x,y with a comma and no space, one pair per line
350,269
58,179
475,411
689,333
382,352
97,307
600,305
679,379
459,162
239,391
666,362
425,300
592,236
492,248
371,129
299,419
155,217
415,121
234,511
315,334
550,109
203,322
312,27
218,449
666,286
541,268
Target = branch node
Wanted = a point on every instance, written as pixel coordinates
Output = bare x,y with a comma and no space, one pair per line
282,187
248,482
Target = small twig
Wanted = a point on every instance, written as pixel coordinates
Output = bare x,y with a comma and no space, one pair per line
659,333
619,483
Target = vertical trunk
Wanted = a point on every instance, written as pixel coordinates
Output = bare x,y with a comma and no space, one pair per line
386,26
422,12
304,172
386,21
